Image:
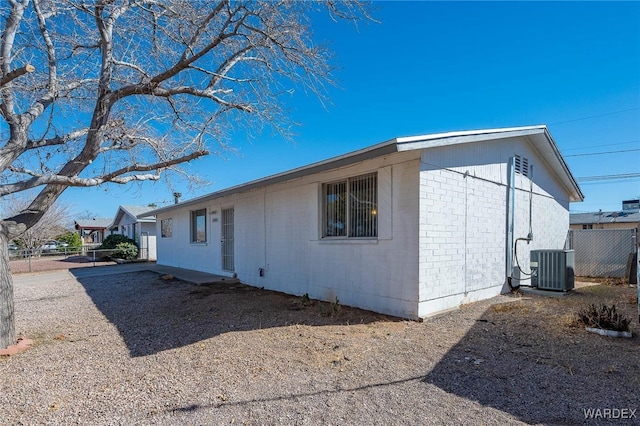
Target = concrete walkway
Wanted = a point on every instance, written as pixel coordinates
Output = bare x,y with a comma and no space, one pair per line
194,277
188,275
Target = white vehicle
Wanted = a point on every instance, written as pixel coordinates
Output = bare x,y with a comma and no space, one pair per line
50,246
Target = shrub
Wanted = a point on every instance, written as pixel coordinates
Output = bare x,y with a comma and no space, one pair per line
112,241
126,251
604,317
71,238
306,300
335,306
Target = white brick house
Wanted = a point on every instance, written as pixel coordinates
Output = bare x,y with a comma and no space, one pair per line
409,227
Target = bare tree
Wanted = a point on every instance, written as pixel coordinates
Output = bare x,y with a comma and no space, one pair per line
85,214
119,91
50,225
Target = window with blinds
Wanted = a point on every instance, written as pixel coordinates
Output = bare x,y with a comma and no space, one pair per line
350,207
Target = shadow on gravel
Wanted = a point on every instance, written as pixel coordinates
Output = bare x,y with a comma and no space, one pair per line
295,397
539,376
154,315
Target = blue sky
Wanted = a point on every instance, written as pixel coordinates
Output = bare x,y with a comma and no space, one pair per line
430,67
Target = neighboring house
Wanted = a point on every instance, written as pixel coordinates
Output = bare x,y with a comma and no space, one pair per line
132,222
628,217
409,227
93,231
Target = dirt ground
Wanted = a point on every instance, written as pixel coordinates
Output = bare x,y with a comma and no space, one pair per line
135,349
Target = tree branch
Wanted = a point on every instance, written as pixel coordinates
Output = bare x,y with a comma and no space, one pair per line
51,52
132,66
16,73
157,166
56,140
227,65
198,32
117,176
12,24
51,96
208,94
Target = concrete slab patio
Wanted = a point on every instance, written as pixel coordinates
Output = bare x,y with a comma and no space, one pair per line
84,267
190,276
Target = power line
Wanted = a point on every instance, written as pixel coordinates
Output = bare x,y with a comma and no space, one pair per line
601,145
608,177
604,152
608,182
594,116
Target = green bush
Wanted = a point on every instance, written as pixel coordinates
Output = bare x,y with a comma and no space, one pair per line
112,241
71,238
126,251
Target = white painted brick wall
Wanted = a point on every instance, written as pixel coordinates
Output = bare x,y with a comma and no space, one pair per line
463,221
550,225
443,242
379,275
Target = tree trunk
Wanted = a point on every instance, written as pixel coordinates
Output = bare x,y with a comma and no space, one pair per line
7,317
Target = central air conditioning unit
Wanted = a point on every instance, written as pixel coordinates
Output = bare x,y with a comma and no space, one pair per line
553,269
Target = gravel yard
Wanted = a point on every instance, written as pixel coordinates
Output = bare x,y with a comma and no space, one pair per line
131,348
53,263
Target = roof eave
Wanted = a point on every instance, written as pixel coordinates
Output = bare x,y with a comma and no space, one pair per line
400,145
454,138
576,192
344,160
554,158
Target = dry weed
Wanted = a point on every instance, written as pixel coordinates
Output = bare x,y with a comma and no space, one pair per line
509,308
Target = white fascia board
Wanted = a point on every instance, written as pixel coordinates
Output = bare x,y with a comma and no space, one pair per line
118,218
142,217
545,145
388,147
578,196
548,149
146,219
455,138
350,158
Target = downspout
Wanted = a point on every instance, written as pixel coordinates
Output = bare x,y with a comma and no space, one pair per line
264,220
511,192
466,225
529,236
513,248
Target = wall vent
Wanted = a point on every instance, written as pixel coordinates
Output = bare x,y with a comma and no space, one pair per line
522,165
553,269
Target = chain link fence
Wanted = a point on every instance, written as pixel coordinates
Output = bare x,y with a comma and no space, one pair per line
37,260
602,252
46,259
22,261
